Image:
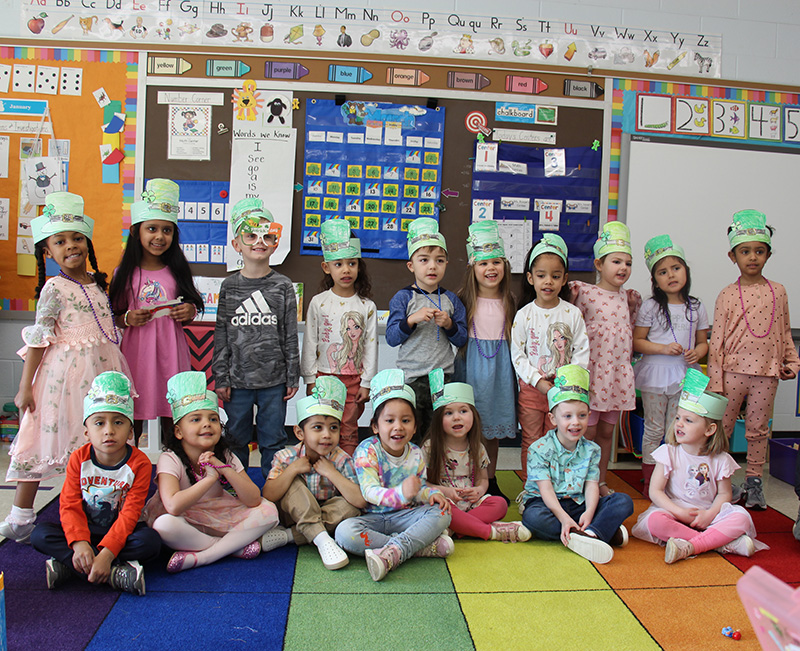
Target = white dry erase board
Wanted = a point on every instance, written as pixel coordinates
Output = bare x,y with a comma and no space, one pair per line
690,192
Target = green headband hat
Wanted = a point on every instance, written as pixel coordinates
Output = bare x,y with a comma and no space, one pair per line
388,384
614,237
445,394
749,226
696,399
247,215
63,211
660,247
424,231
159,201
188,392
550,243
336,241
326,399
484,242
571,383
110,391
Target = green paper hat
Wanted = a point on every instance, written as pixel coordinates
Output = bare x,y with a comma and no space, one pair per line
696,399
571,383
749,226
660,247
63,211
615,236
336,241
484,242
247,215
550,243
390,383
110,391
188,392
159,201
445,394
327,399
424,231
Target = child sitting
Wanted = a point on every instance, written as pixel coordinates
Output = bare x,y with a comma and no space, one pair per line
562,494
100,535
314,482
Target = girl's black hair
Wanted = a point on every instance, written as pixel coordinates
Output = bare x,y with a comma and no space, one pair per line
362,285
769,228
379,410
528,293
38,253
222,450
660,297
173,258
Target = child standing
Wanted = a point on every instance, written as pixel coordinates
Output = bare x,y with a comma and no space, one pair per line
341,335
100,535
486,360
424,319
672,333
314,483
404,516
548,332
610,313
256,357
153,271
562,494
73,340
206,506
457,463
751,344
691,485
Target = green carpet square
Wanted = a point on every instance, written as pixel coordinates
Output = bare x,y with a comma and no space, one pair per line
415,575
373,621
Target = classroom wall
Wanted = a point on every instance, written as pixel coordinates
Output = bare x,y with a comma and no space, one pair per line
760,38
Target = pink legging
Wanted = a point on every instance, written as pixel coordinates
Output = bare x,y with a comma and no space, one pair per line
760,393
476,523
664,526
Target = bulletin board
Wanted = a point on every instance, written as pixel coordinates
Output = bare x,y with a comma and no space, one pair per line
77,118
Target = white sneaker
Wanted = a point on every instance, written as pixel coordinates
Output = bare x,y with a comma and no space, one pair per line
741,546
510,532
333,557
520,500
276,537
620,537
677,549
591,548
20,533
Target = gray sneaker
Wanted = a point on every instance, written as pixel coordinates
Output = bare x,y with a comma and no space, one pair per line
755,494
128,576
56,573
739,493
796,528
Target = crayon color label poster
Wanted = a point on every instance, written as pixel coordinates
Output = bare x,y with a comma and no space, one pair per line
377,164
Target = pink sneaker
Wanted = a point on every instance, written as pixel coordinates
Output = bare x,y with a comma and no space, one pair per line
381,561
510,532
442,547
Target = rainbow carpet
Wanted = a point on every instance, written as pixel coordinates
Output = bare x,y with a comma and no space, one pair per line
535,595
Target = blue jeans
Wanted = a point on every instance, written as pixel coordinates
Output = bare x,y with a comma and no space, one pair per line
611,512
409,529
270,419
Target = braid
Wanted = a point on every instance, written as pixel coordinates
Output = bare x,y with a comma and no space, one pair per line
38,252
99,276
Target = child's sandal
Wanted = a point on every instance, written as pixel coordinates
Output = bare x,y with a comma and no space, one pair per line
609,490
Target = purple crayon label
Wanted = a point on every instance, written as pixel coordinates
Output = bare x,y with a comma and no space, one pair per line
284,70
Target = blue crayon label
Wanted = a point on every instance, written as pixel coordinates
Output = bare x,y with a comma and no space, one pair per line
348,74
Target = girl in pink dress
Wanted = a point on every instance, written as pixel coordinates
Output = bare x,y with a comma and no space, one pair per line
610,313
153,271
73,340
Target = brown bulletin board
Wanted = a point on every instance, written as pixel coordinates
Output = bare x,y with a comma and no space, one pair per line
78,119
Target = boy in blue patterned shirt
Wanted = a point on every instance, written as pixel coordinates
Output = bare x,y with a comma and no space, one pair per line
562,494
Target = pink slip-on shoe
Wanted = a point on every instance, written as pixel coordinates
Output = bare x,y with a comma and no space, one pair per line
178,560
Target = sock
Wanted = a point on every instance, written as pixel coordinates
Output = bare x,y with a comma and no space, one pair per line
21,515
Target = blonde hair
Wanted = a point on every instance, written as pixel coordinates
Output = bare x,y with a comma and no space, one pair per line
551,366
469,296
341,355
715,444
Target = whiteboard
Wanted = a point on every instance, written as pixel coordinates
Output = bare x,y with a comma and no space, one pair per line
690,192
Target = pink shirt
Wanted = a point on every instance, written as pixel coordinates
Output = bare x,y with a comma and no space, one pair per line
489,319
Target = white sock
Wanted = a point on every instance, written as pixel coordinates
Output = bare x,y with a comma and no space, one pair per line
22,516
322,537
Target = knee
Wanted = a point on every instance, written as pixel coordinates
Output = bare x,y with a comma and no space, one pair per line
166,522
621,501
435,512
347,531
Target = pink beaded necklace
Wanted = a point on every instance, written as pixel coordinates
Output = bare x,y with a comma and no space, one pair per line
744,312
115,339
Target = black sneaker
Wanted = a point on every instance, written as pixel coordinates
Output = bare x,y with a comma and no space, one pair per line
128,576
56,573
494,489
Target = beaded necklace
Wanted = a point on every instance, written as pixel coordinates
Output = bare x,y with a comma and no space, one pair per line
499,343
471,469
744,313
115,338
438,307
672,330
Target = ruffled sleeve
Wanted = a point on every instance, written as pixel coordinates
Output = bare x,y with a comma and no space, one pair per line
42,333
725,466
662,456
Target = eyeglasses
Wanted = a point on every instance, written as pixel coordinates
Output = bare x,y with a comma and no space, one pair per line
268,236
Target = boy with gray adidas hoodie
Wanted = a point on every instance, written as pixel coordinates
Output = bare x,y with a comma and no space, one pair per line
256,356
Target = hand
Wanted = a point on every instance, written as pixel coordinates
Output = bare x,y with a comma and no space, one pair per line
82,556
544,386
138,318
24,400
411,486
786,373
686,516
691,356
422,314
471,495
442,319
101,568
209,471
290,391
441,500
450,493
310,388
702,519
301,465
182,313
566,526
585,520
223,393
362,396
672,349
325,467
